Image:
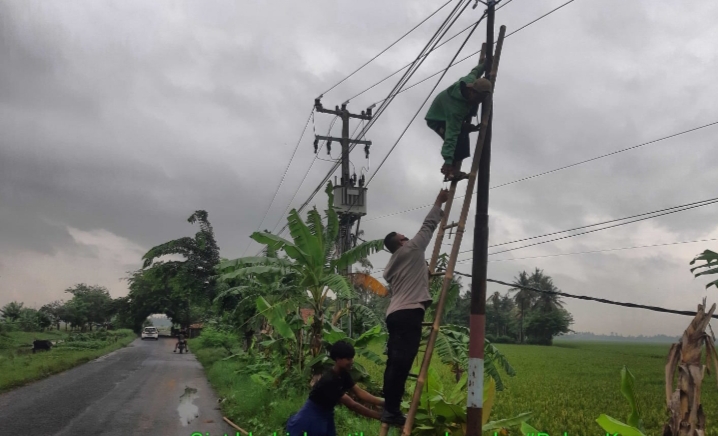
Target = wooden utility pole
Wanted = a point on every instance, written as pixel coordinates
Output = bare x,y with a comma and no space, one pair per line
477,320
349,199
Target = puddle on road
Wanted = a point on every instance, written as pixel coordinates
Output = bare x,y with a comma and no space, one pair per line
188,411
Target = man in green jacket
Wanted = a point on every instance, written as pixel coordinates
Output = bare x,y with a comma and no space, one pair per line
449,117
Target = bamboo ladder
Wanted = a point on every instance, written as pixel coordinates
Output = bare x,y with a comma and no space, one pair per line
449,273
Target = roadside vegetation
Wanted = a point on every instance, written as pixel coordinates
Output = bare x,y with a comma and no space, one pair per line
19,366
266,322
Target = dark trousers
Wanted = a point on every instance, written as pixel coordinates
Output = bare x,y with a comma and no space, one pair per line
404,337
463,143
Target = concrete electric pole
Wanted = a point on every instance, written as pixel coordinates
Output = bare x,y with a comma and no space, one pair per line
349,199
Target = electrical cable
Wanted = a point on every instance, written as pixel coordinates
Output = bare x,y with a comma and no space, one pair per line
600,300
390,46
602,223
562,168
602,228
276,191
424,103
440,33
655,214
329,133
596,251
479,51
431,51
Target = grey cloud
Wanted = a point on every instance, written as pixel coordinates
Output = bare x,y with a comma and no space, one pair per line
129,116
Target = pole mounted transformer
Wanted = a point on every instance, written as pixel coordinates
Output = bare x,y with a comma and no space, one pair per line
350,198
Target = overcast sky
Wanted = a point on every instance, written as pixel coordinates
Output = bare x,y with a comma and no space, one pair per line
119,119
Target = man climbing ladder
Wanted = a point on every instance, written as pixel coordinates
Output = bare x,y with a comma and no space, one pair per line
407,273
450,117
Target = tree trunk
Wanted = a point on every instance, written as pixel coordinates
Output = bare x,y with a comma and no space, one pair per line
684,404
521,326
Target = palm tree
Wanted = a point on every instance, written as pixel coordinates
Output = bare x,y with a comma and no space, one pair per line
495,300
12,311
523,298
311,256
545,302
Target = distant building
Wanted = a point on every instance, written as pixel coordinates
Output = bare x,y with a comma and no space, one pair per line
194,330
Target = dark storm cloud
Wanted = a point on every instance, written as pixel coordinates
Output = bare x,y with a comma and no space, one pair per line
119,119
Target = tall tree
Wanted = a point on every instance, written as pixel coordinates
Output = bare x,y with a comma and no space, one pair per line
545,302
54,311
523,298
93,301
11,311
196,275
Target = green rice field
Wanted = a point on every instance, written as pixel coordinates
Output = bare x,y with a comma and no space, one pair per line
568,385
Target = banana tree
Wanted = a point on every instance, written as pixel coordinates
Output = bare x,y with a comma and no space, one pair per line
312,259
634,425
442,408
711,263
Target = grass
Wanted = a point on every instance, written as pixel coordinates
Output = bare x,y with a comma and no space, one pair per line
569,385
251,406
18,366
566,386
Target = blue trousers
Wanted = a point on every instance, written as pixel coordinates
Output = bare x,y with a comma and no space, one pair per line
312,419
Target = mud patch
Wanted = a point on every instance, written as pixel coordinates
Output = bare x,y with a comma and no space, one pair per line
188,411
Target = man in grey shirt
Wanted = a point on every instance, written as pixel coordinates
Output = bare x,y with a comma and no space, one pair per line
408,275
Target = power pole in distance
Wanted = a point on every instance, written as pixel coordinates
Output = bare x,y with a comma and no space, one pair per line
349,199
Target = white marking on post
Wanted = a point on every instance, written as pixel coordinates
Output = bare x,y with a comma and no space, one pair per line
476,383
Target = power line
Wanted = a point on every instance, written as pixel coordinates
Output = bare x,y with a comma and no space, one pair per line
601,223
329,132
425,100
479,51
431,51
598,251
439,33
304,179
291,159
566,166
584,252
402,68
390,46
602,228
392,94
655,214
539,18
600,300
607,154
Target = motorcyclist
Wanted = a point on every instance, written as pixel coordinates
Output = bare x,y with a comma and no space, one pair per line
181,340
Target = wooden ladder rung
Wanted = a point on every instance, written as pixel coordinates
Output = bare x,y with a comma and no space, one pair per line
412,375
451,226
438,274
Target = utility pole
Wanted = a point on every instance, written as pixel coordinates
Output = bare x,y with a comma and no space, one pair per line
349,199
477,320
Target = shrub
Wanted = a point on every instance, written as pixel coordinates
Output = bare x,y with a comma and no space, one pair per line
212,338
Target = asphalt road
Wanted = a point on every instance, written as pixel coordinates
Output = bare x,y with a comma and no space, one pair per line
142,389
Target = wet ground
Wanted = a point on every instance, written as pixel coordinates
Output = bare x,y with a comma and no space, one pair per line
143,389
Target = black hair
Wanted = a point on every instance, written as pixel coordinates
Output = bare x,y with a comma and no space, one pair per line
391,243
341,350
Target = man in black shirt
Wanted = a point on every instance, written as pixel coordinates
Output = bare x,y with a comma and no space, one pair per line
316,417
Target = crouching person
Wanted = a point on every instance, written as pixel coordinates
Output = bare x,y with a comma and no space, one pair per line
316,417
